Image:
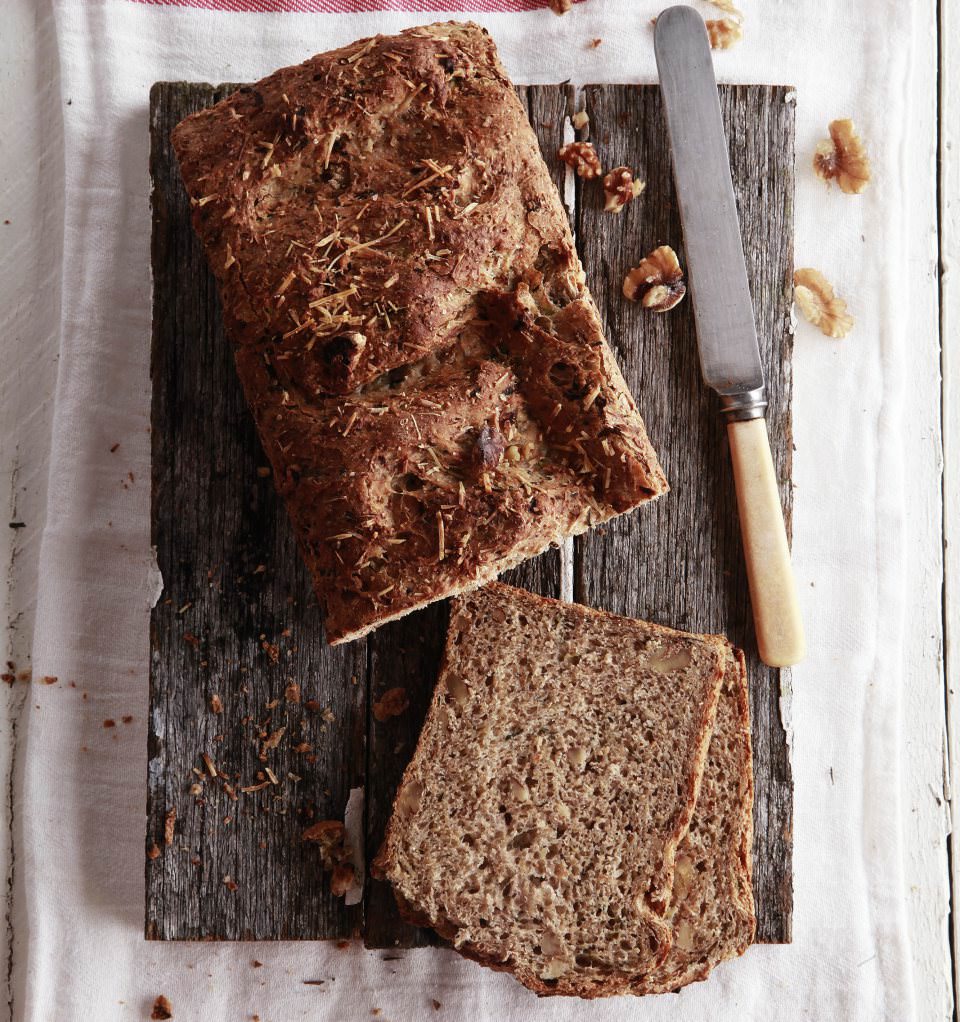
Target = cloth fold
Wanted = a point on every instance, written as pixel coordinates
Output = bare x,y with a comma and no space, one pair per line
81,953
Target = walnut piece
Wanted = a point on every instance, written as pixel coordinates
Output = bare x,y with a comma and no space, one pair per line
723,33
662,277
619,187
342,880
583,158
560,6
330,837
819,305
843,158
580,120
727,7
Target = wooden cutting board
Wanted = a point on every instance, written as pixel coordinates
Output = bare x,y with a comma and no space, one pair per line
239,670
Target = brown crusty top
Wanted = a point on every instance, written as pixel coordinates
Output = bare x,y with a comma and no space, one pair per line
426,368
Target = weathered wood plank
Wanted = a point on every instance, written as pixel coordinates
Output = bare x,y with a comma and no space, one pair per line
406,654
213,512
679,562
237,620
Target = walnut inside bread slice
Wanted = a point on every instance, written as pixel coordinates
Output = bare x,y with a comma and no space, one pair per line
543,825
425,365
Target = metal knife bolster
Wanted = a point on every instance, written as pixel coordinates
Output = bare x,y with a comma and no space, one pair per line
747,404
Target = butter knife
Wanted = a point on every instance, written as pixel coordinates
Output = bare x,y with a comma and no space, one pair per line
723,312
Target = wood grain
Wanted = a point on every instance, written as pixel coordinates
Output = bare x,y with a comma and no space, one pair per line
680,561
234,584
237,620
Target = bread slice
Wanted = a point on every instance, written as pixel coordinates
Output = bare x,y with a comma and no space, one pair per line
711,912
410,320
537,824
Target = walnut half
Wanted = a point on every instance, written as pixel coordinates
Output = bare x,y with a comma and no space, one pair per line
662,277
619,187
843,158
820,306
583,158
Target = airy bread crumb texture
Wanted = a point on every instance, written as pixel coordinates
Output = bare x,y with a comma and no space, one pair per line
537,825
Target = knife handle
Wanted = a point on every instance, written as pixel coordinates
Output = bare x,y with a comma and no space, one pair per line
773,590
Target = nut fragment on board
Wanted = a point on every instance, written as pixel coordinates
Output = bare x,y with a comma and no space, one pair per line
583,158
560,6
843,158
657,281
328,836
723,33
619,188
820,306
580,120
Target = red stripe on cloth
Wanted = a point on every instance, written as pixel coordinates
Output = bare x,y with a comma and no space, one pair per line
350,6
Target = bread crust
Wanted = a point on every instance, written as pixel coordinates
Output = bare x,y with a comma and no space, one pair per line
397,276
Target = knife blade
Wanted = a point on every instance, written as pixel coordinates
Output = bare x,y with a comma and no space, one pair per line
722,306
723,313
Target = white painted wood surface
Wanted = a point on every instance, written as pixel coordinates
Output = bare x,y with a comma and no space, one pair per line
29,316
950,326
31,175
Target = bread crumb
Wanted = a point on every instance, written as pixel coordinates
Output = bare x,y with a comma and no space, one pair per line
162,1009
292,693
169,825
273,739
153,852
49,679
392,703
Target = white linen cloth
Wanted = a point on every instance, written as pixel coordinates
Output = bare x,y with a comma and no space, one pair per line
80,789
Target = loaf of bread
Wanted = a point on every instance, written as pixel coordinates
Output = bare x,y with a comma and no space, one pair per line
537,825
425,365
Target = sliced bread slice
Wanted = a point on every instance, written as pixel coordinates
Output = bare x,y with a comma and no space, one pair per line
711,910
537,824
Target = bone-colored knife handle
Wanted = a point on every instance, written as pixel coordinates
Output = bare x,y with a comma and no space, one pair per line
773,590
